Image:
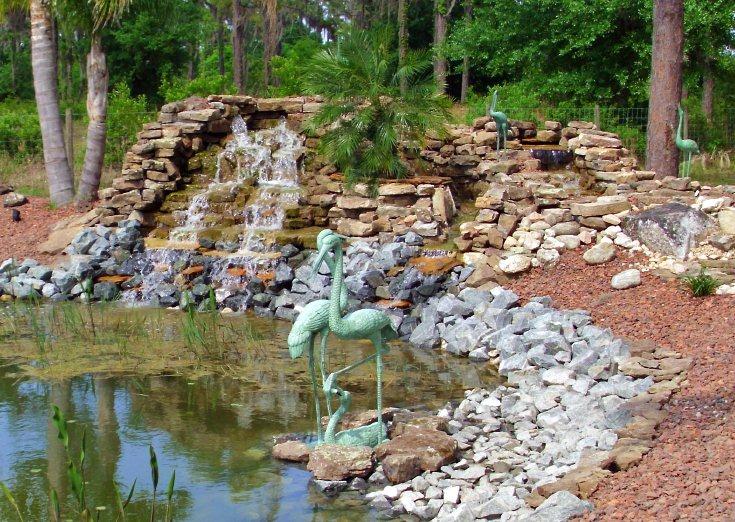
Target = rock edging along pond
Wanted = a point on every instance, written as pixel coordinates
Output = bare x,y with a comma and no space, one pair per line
578,403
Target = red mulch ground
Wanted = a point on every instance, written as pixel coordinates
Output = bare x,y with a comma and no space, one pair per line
21,240
690,472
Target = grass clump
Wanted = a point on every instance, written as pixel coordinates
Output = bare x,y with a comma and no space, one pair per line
702,284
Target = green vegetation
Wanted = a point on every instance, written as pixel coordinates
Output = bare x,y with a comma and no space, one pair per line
367,116
549,59
702,284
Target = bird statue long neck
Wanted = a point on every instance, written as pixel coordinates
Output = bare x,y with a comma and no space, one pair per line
344,404
335,310
343,292
680,128
494,102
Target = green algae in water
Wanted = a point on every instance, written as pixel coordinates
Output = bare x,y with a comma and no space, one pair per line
211,421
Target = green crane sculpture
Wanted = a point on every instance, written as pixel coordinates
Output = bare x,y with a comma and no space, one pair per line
361,324
313,320
688,147
369,435
501,122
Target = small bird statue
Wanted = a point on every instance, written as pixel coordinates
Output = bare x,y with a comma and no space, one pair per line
687,146
15,215
501,122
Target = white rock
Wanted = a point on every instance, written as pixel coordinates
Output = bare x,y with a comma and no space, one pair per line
451,494
558,375
599,253
515,264
626,279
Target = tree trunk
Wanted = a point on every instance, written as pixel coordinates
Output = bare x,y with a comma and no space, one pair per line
466,58
662,156
94,156
402,39
442,11
220,45
270,37
708,90
43,60
238,45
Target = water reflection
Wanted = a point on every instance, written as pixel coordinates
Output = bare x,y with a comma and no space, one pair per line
215,431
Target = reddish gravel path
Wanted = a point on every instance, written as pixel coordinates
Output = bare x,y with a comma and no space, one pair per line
690,472
21,240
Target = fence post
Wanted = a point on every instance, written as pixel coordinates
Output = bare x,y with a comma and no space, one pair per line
69,138
597,115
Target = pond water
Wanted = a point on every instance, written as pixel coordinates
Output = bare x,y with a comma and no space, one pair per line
212,419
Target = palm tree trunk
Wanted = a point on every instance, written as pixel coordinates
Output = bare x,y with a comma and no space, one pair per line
97,82
402,39
662,156
43,60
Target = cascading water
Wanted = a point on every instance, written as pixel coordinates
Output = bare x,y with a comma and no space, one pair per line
278,180
268,159
271,157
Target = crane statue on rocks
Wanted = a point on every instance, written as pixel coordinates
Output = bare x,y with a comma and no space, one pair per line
370,324
501,122
687,146
313,320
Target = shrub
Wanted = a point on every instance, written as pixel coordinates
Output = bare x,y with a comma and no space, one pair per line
125,116
367,117
701,284
20,133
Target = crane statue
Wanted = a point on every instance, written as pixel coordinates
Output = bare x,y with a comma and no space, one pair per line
501,122
370,324
312,320
687,146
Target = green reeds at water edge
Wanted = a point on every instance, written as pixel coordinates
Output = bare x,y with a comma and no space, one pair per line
77,482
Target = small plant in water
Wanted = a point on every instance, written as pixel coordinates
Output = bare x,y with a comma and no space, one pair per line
75,474
702,284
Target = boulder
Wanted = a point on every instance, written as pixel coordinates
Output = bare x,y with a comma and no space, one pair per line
14,199
672,229
433,448
726,218
336,462
560,507
401,467
355,228
604,205
515,264
599,253
626,279
58,240
291,451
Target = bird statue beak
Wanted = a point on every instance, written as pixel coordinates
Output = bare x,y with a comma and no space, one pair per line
319,260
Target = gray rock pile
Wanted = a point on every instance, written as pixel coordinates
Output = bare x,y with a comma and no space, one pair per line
95,254
565,400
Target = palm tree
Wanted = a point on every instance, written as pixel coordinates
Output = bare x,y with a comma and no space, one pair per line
368,119
102,14
43,63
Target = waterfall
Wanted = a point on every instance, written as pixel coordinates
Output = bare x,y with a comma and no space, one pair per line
270,158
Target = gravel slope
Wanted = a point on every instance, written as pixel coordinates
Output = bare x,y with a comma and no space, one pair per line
690,472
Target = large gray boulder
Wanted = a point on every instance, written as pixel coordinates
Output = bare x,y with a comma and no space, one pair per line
672,229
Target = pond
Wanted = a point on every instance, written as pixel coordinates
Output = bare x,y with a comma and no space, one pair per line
131,378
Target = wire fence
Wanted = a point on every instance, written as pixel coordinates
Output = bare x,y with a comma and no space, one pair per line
631,123
718,134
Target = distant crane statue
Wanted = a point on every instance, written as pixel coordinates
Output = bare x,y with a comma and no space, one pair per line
312,320
373,325
687,146
501,122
